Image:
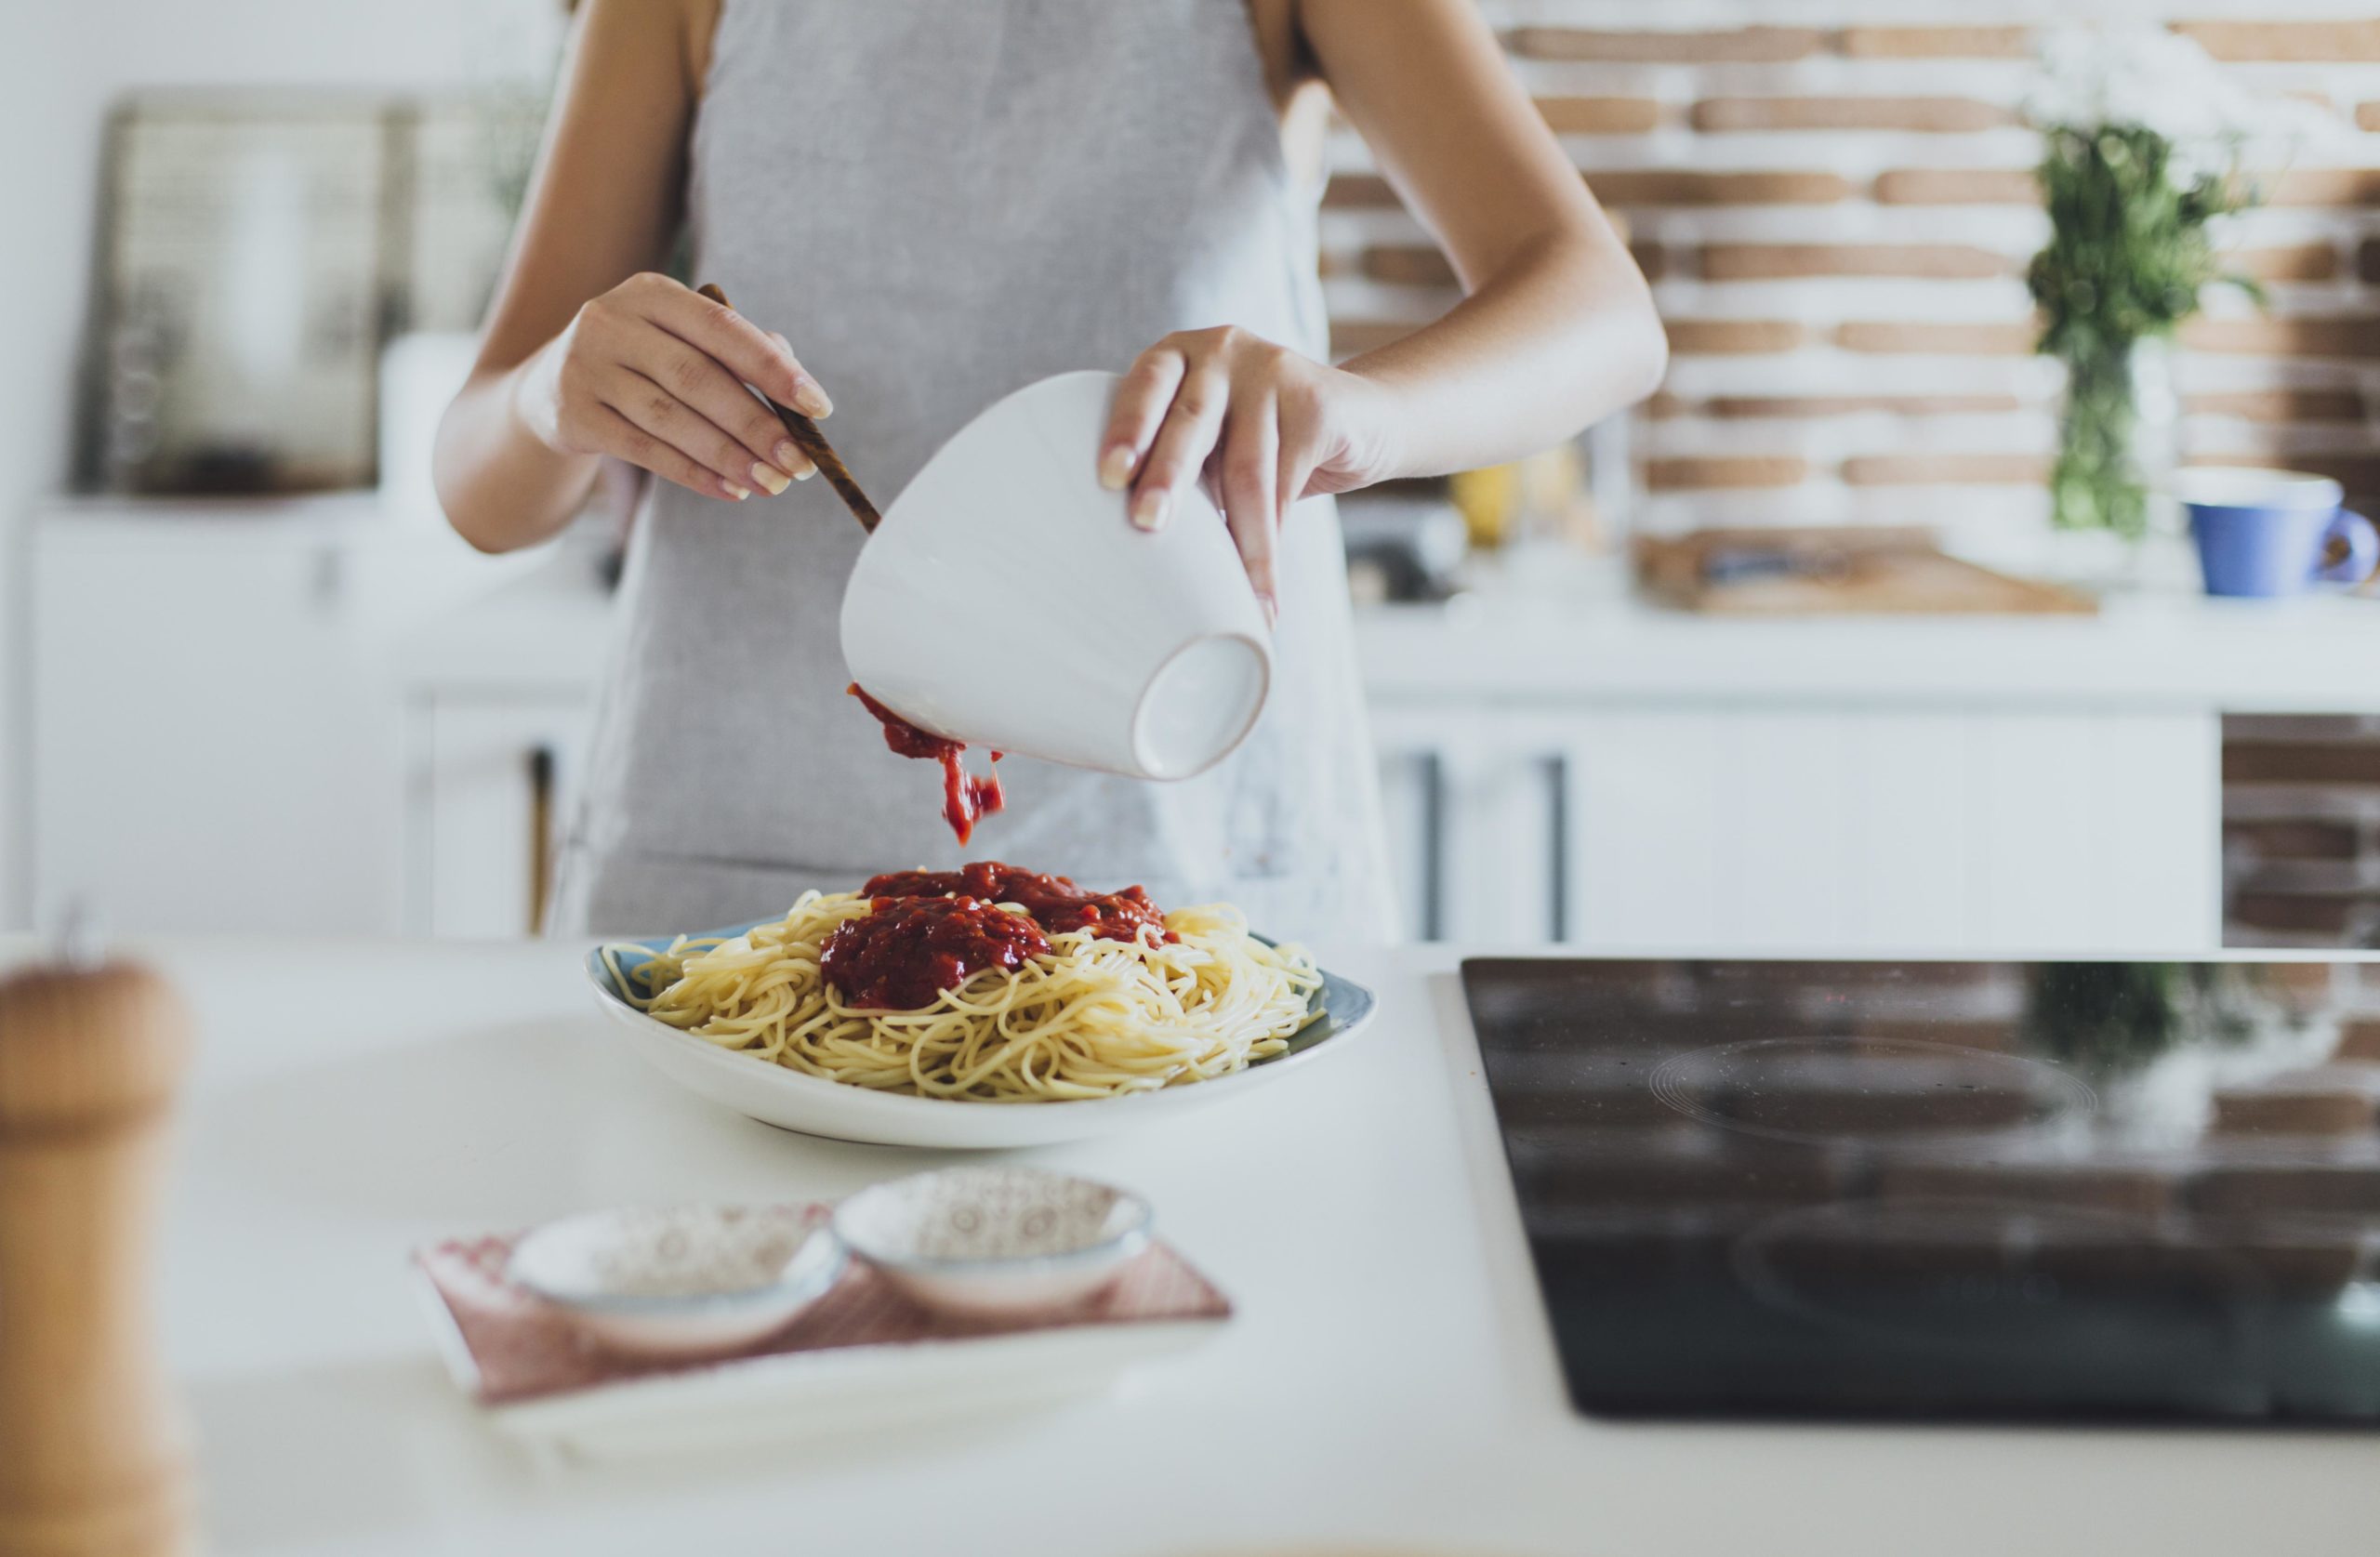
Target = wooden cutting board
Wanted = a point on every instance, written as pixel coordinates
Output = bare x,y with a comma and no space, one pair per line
1820,572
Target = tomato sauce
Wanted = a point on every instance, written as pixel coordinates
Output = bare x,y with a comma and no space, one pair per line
904,953
966,800
1055,902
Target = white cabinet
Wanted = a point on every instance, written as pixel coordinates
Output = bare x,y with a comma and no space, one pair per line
1962,784
490,783
206,754
1807,828
219,720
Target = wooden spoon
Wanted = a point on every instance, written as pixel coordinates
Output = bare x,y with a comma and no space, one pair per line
813,443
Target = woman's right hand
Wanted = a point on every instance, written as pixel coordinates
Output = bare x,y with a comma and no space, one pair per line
655,374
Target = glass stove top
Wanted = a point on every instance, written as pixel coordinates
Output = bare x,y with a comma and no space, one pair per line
1939,1189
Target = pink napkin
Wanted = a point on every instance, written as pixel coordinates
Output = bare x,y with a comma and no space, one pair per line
521,1348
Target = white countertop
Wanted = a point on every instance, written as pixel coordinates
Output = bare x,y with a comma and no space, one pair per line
1386,1381
1573,634
2312,655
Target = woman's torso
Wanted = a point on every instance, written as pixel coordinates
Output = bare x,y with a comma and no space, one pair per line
938,202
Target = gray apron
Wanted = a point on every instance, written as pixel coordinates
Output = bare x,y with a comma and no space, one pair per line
938,202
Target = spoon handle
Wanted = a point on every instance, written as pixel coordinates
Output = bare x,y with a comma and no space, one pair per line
804,432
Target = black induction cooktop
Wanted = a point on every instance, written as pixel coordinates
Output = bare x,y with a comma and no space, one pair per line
1947,1189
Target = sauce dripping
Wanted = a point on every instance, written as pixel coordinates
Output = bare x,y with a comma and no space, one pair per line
966,800
1055,902
903,952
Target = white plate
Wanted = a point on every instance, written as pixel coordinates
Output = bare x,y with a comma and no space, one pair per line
816,1106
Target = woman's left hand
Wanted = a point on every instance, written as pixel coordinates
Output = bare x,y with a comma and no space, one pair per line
1267,425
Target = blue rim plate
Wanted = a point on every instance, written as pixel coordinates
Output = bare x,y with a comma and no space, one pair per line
816,1106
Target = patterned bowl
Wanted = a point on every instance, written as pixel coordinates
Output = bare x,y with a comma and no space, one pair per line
995,1241
681,1280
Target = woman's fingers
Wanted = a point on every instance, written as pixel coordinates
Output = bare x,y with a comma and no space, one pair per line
1192,422
1141,402
655,411
1296,468
749,352
1249,416
801,465
610,432
1301,437
665,378
767,457
1249,462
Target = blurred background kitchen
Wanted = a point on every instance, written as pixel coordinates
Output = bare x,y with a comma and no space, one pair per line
1809,652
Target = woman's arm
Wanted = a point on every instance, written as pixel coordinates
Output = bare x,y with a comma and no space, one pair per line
586,351
1556,331
1558,328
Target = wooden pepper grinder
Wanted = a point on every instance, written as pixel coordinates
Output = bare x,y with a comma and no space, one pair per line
91,1457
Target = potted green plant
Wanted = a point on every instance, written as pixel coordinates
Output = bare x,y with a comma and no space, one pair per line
2142,139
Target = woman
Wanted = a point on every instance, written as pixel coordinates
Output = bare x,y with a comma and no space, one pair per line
917,206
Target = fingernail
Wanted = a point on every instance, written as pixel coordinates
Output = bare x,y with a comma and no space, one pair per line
811,401
1272,608
1115,466
739,493
788,455
806,471
1149,508
770,477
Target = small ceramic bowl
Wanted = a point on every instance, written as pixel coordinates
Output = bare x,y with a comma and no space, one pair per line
994,1242
683,1280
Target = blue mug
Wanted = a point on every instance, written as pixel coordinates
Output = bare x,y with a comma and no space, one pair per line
2263,534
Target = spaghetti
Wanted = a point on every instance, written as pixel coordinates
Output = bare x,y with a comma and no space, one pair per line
1011,1004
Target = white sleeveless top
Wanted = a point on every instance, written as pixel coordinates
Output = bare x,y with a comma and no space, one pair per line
938,202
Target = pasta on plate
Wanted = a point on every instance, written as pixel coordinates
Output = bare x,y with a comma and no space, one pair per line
1002,987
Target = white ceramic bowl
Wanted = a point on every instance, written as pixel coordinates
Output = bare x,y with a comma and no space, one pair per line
994,1242
816,1106
680,1280
1007,601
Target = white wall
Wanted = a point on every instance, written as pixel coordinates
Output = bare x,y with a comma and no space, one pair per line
61,64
